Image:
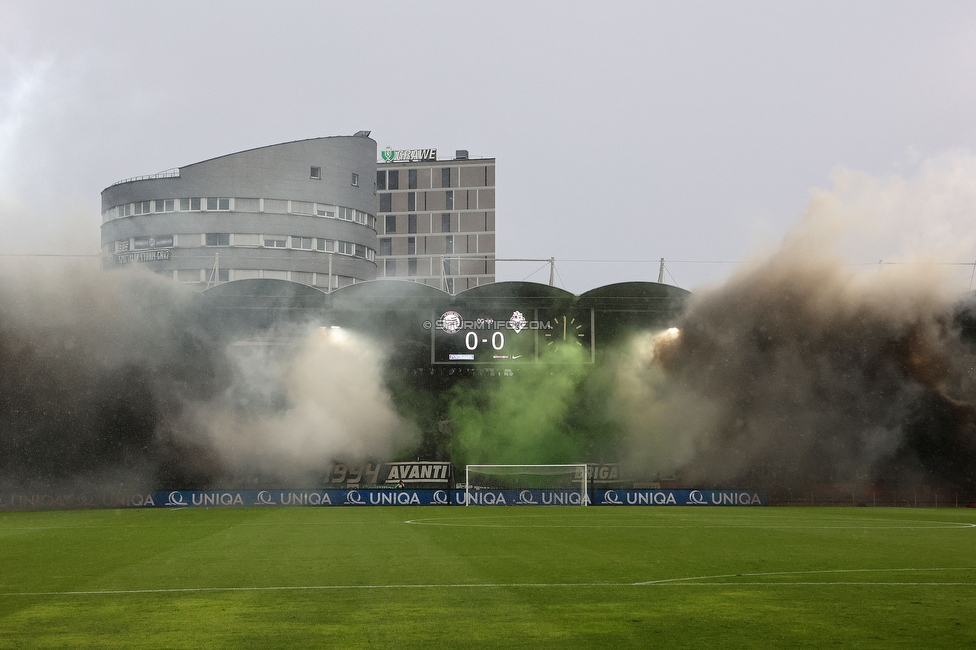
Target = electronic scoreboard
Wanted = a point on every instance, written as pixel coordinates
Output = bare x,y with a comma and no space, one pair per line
510,336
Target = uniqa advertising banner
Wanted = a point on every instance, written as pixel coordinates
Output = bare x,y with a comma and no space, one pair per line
563,497
678,498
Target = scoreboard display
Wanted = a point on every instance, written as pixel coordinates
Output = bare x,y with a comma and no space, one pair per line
510,336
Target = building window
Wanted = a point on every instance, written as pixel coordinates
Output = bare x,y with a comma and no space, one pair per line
411,223
390,268
411,245
188,275
345,247
412,179
218,204
316,173
125,210
446,222
449,244
218,239
275,241
386,203
301,243
189,204
450,285
390,223
346,214
449,199
355,180
394,182
386,246
411,201
223,275
324,211
381,179
412,266
360,251
324,245
446,177
142,207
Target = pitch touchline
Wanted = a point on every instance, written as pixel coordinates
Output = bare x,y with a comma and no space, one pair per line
688,581
946,525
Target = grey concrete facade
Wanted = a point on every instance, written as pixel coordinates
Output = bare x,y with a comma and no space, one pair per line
436,220
302,211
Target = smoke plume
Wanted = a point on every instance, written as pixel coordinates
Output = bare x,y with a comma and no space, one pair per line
115,379
805,368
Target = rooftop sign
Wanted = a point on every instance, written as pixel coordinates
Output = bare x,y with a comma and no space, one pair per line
408,155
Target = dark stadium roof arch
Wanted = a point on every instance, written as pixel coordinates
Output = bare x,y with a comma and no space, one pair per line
516,294
634,295
265,294
387,294
514,290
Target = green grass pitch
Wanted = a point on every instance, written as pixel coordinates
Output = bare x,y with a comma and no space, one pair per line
489,577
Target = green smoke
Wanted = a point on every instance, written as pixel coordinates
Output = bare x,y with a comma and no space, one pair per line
553,411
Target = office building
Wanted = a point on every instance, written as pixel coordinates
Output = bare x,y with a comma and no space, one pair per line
436,219
302,211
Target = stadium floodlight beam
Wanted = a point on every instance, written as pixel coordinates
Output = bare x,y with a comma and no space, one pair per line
571,476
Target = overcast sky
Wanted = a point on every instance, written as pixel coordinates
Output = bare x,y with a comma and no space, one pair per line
632,131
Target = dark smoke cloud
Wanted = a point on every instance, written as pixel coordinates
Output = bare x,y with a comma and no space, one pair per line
801,369
116,379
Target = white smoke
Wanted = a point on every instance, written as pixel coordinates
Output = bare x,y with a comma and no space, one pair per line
293,408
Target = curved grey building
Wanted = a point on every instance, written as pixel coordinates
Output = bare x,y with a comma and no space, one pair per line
302,211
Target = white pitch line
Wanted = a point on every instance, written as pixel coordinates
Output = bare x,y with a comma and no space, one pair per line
688,581
936,525
796,573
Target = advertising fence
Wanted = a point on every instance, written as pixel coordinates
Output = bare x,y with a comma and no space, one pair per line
382,497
